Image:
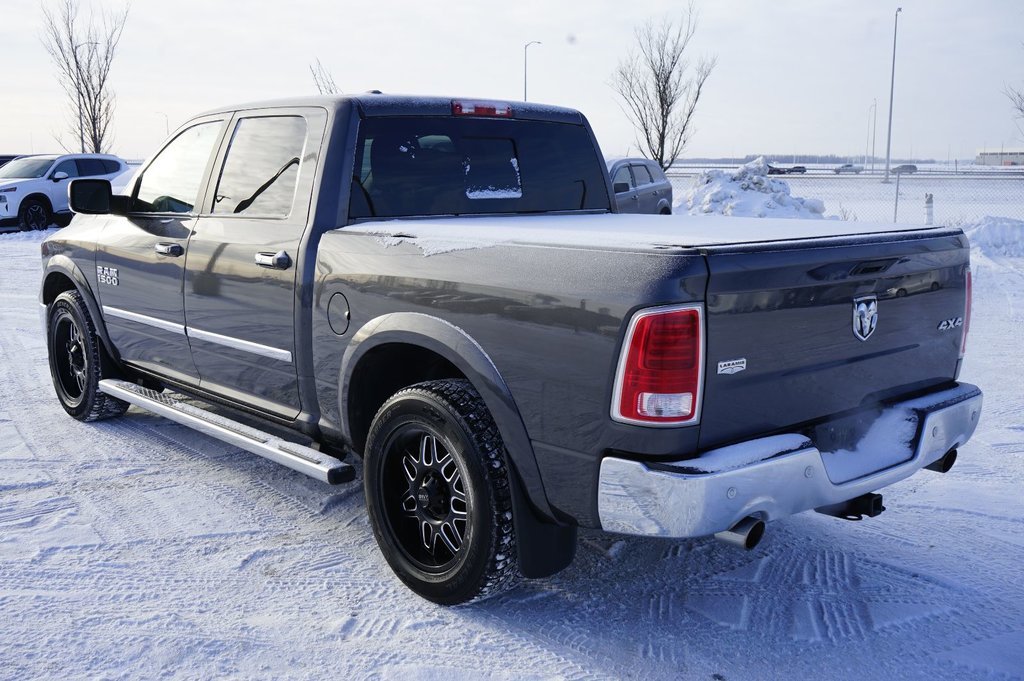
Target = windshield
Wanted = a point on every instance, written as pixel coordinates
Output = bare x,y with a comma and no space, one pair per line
30,166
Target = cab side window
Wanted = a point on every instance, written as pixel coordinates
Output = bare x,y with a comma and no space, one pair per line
261,169
622,175
68,167
643,175
88,167
171,182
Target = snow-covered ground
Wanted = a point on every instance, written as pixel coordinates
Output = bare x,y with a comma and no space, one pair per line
956,199
136,548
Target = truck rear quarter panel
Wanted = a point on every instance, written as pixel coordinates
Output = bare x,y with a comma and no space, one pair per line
551,320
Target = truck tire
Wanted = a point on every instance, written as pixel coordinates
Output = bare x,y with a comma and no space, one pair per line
437,492
77,360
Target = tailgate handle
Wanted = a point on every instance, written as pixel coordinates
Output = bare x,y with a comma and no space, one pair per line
276,261
171,249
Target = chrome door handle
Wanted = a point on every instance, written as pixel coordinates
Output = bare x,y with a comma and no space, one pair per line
276,261
171,249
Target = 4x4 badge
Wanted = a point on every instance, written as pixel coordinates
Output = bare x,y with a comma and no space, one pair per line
865,316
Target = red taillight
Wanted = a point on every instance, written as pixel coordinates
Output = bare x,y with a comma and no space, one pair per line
660,369
480,108
967,315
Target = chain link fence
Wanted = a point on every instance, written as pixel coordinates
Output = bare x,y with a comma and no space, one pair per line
956,198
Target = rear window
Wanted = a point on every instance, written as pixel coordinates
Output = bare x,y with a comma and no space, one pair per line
452,166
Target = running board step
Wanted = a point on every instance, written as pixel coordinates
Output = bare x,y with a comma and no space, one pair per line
295,456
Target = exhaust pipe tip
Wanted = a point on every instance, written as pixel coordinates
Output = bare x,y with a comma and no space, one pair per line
869,505
746,534
944,464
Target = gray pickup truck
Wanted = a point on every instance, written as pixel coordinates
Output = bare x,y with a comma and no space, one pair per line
441,288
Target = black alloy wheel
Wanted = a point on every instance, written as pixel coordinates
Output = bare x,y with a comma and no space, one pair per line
425,498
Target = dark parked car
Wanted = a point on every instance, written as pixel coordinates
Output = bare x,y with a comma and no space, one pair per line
772,170
797,170
640,186
6,158
905,169
441,287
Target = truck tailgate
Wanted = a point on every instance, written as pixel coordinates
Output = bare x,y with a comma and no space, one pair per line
782,343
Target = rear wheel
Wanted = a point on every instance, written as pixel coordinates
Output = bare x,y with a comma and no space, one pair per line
34,215
77,361
437,491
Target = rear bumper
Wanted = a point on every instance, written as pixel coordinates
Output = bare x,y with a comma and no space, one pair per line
781,475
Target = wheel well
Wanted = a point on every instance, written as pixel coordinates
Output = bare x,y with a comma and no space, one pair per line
381,373
56,284
41,197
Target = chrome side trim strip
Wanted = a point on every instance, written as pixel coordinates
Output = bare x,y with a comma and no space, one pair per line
199,334
239,344
144,319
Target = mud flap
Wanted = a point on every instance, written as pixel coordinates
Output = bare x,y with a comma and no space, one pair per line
544,547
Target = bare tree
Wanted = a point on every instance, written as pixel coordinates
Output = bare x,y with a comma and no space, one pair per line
1016,97
1016,101
323,79
83,53
660,86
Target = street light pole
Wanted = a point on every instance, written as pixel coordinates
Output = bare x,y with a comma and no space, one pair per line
892,87
874,129
525,48
867,140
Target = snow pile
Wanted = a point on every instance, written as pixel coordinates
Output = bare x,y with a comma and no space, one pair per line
747,191
995,237
27,236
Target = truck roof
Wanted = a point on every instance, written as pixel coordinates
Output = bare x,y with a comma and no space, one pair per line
374,104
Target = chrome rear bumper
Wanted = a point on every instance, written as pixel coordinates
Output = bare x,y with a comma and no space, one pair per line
781,475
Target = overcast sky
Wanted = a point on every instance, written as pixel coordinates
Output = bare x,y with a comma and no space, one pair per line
793,76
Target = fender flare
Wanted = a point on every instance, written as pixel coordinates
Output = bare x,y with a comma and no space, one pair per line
459,348
62,264
544,545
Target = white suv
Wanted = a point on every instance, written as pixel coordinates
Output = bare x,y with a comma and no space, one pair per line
34,189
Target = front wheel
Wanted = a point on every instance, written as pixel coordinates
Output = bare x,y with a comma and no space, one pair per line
77,360
34,215
437,492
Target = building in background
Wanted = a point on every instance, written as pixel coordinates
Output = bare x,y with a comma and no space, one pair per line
1000,157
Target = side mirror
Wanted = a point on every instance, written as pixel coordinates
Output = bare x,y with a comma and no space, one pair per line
95,197
621,187
58,176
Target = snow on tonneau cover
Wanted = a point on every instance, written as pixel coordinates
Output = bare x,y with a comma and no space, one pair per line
780,306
